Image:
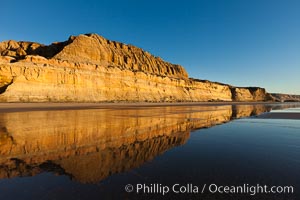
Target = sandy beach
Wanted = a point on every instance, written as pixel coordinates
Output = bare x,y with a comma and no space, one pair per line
26,107
22,107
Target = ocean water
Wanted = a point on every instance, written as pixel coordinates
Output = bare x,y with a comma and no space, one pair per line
157,152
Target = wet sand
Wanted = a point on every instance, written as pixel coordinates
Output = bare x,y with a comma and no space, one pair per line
94,149
279,116
22,107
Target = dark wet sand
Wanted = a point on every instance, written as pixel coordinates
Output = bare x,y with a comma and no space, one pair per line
22,107
279,116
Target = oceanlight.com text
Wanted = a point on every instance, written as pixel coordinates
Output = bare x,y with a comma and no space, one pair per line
190,188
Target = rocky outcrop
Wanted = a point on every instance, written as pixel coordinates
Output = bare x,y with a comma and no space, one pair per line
90,68
250,94
285,97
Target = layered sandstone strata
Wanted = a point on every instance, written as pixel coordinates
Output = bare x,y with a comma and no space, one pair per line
90,68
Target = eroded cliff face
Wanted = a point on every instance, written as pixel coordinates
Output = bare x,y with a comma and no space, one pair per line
250,94
285,97
90,68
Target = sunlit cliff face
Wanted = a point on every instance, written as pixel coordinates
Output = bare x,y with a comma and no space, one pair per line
90,145
90,68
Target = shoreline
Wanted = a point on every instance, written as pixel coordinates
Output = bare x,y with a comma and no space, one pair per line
45,106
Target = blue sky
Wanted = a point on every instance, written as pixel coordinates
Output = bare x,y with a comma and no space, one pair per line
239,42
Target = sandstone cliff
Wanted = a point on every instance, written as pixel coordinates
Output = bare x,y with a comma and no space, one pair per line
90,68
285,97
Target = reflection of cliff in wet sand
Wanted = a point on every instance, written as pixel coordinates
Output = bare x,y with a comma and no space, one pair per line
90,145
91,164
